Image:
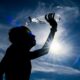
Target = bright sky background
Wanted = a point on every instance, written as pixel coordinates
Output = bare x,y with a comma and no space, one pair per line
63,60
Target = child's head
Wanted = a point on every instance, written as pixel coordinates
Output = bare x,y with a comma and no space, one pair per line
22,36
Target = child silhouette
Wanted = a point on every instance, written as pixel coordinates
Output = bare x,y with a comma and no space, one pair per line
17,61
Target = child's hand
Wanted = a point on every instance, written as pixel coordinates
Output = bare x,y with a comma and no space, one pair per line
50,19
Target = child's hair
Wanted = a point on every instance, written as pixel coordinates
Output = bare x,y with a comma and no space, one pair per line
16,33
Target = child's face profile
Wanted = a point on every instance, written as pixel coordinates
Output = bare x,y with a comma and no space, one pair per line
29,38
22,36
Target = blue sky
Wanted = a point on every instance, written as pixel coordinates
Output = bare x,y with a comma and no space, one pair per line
66,65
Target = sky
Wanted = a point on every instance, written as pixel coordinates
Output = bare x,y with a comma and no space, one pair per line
62,62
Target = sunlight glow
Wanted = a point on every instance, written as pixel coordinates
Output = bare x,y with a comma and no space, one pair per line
56,47
60,47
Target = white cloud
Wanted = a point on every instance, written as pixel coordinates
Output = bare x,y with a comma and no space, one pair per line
4,42
41,65
44,70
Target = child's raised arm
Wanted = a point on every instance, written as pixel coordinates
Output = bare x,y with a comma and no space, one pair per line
45,49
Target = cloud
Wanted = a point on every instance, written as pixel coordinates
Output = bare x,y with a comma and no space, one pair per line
41,65
40,75
2,52
4,42
65,12
46,71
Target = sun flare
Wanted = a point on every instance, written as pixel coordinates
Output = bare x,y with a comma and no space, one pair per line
56,47
59,46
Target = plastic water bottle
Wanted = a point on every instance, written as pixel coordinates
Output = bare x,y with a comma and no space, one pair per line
40,19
